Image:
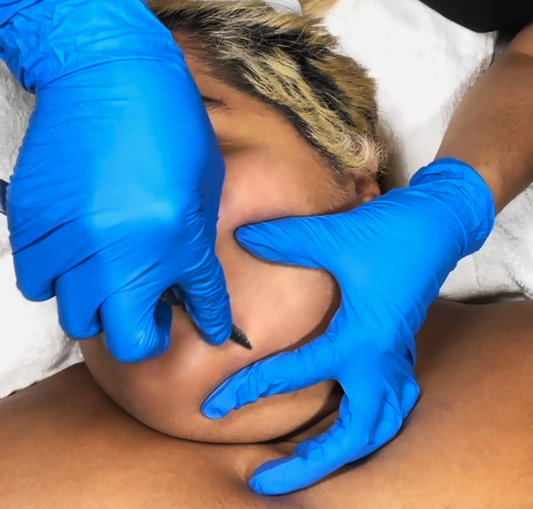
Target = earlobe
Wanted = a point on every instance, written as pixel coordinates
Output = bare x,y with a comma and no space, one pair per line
367,187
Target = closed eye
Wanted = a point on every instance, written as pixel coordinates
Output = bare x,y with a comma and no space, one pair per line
213,104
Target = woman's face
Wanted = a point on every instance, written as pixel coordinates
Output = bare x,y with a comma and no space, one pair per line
270,173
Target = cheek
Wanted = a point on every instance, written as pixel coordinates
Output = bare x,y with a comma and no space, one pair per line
263,186
277,306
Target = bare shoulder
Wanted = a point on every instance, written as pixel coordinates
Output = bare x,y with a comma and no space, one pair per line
66,444
485,320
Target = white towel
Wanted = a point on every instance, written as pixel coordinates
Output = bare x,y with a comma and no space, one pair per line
422,62
32,346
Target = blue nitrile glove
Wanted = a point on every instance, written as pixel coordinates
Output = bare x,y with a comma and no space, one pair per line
390,258
116,191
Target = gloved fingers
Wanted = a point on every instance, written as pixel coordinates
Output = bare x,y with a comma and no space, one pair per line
409,396
135,329
75,304
387,426
283,373
288,241
389,423
205,294
38,263
33,282
318,456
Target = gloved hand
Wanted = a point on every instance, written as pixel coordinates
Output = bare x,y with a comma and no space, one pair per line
116,191
390,258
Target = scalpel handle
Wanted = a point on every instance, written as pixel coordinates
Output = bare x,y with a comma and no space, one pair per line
3,191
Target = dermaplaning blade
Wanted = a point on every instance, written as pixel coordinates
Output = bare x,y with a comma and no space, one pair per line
173,297
239,337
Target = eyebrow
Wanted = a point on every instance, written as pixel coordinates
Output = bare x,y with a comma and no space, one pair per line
212,104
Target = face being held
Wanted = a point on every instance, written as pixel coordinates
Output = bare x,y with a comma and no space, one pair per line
297,126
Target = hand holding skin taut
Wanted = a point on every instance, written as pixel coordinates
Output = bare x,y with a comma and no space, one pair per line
390,258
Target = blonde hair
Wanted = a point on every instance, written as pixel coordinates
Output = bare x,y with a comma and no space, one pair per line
289,62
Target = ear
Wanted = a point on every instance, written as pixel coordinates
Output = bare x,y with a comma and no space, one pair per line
366,186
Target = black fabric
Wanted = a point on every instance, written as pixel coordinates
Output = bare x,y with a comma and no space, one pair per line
485,15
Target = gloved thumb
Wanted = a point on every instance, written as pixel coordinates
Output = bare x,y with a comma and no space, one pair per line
288,241
134,334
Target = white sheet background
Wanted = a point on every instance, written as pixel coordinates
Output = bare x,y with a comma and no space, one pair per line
422,63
